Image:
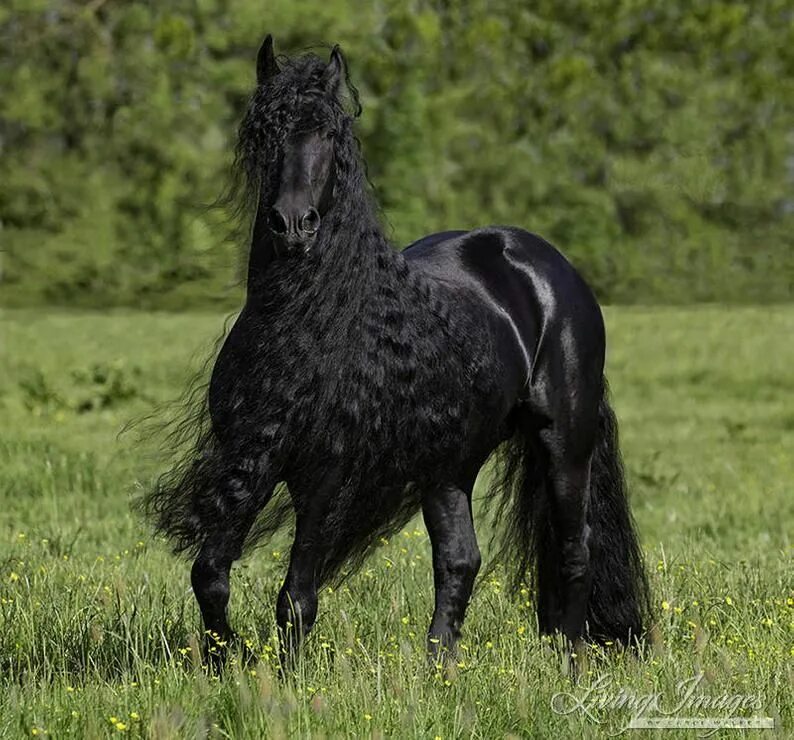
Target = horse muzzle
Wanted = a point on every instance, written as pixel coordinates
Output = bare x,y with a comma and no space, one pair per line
294,229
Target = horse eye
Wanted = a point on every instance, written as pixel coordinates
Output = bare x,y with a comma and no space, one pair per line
329,134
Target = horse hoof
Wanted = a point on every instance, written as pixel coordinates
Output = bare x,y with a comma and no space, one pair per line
441,650
216,651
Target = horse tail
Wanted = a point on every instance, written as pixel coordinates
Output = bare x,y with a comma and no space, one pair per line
619,603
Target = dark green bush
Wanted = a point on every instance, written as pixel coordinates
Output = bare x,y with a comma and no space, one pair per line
650,140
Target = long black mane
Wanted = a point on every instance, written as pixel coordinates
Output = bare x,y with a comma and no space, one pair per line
343,360
373,382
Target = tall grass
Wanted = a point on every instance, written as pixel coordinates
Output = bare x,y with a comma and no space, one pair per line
99,632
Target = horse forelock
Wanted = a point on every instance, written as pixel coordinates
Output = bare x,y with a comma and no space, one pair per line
293,100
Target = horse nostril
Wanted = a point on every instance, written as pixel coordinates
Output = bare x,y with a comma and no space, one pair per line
310,221
276,222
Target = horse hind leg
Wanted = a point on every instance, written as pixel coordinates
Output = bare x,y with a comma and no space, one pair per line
590,573
564,594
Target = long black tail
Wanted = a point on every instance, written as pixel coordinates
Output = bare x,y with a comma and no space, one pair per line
619,605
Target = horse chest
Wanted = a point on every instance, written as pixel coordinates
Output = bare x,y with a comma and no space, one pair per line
399,399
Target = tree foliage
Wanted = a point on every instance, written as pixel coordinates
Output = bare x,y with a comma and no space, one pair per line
652,141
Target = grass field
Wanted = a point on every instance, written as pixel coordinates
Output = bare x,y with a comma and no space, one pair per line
98,628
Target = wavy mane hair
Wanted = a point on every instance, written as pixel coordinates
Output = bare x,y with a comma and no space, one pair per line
344,360
373,382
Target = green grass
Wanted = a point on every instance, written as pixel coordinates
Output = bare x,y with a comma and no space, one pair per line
98,628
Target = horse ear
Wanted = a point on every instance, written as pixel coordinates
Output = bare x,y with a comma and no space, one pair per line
335,74
266,65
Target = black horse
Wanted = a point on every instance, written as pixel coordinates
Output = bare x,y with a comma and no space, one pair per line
375,382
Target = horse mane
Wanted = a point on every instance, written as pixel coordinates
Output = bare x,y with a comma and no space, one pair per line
342,360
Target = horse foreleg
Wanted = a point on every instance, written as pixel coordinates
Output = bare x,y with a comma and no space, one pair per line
456,561
211,569
296,608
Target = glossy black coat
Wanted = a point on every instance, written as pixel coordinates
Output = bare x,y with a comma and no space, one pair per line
376,382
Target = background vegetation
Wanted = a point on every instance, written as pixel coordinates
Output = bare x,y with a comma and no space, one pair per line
98,627
652,140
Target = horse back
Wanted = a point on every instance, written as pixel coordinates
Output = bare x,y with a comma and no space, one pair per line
546,314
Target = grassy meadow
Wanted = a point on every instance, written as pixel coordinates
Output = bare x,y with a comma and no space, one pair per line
98,627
